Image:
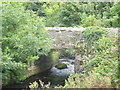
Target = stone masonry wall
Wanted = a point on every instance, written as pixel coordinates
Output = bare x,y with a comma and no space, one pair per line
68,37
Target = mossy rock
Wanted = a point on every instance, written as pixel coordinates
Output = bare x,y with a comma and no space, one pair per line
61,66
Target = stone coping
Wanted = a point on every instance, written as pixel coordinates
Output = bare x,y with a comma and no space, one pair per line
75,29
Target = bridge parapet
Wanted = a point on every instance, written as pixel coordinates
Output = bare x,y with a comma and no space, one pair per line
68,37
65,37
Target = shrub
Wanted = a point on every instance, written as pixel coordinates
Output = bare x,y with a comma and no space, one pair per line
104,55
24,36
13,72
92,80
94,33
91,37
36,85
90,20
105,61
24,40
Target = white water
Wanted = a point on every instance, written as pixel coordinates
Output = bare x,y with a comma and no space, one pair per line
66,71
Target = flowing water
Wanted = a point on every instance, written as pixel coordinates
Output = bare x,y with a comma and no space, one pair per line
55,76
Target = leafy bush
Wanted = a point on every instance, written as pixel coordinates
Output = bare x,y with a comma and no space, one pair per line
35,85
69,14
103,61
116,14
13,72
24,36
48,11
52,11
109,60
94,33
24,40
92,80
80,14
91,36
86,14
70,51
90,20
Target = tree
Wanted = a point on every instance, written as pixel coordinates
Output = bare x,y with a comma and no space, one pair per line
24,40
23,33
116,14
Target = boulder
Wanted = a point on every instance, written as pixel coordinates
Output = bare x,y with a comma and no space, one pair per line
61,66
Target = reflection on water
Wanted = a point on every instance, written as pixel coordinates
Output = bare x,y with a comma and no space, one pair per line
54,76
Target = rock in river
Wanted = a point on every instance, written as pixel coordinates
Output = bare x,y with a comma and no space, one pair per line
61,66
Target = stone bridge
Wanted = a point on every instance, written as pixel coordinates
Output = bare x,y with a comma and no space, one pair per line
63,38
68,37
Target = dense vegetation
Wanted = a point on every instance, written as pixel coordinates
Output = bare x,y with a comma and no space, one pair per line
24,39
101,55
75,14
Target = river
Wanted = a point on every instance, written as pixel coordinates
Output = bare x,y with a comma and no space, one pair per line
55,76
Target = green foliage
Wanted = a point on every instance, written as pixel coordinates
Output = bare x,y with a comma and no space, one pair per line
116,14
80,14
24,36
48,11
70,52
86,14
102,61
92,80
69,14
88,20
93,34
55,55
92,20
35,85
36,7
108,62
105,59
51,10
24,40
13,72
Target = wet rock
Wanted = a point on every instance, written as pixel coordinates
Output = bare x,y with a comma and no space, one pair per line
61,66
72,63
